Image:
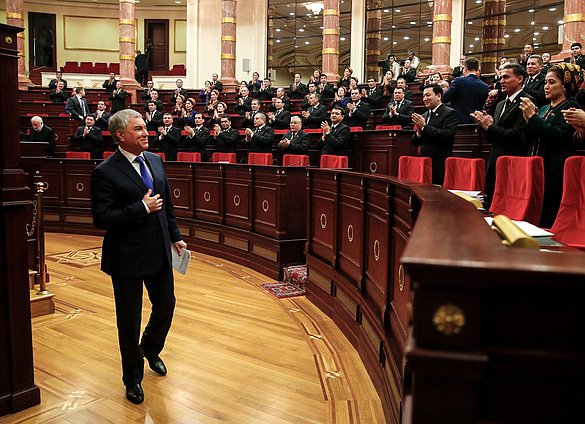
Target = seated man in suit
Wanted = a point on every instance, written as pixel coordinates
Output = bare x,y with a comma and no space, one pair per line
244,103
316,113
280,118
337,136
261,137
297,89
312,88
168,138
110,84
198,137
280,94
59,94
399,111
88,138
296,141
155,97
42,134
118,97
534,84
435,131
179,91
77,105
102,116
216,84
249,115
225,136
401,82
146,92
467,93
266,91
372,95
153,117
54,81
357,112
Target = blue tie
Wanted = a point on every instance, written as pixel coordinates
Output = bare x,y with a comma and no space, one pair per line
146,178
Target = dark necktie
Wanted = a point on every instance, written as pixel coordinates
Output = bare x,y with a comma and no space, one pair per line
144,174
506,106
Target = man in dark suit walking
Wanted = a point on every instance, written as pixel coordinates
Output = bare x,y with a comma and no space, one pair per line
131,201
261,137
435,131
506,131
467,93
399,111
337,136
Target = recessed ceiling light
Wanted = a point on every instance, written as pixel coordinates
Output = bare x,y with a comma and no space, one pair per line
407,38
552,9
469,23
296,47
476,38
301,30
385,38
412,23
560,22
478,1
545,28
277,29
471,45
507,36
517,30
386,10
306,42
537,33
533,38
341,38
278,41
292,13
397,10
427,39
532,23
394,43
530,10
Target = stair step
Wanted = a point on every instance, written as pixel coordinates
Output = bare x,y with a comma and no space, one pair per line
41,304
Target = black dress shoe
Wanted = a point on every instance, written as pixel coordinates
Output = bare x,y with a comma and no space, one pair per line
134,393
157,365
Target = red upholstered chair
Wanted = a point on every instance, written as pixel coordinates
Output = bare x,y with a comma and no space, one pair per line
178,70
77,155
100,68
260,159
295,160
161,154
313,130
464,174
356,129
188,157
519,189
64,115
334,161
86,67
223,157
415,168
115,68
280,132
388,127
70,67
107,154
569,226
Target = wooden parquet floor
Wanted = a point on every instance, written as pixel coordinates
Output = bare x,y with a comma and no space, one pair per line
235,353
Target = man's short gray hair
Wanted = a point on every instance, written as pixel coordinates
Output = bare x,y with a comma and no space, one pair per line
119,121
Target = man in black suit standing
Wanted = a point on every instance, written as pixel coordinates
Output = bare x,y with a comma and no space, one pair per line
118,97
146,92
153,117
198,137
297,89
59,94
458,70
141,68
401,82
261,137
42,134
102,116
179,91
266,91
526,53
296,141
226,137
435,131
534,84
168,138
58,78
337,136
110,84
372,95
280,118
88,138
249,115
77,105
326,90
399,111
357,112
130,200
467,93
316,113
216,83
506,131
244,103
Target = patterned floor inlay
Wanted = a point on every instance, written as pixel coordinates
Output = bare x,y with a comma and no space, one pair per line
79,258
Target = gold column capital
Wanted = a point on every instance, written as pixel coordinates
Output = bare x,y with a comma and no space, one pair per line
126,57
228,20
14,15
228,56
574,17
127,22
444,39
330,12
330,51
127,40
228,38
443,17
330,31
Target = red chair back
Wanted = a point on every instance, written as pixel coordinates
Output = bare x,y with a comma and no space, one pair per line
107,154
223,157
100,68
569,226
417,169
115,68
77,155
161,154
356,129
313,130
519,189
334,161
188,157
260,159
464,174
295,160
388,127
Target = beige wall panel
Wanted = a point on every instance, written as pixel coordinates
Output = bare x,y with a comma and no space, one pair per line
93,34
180,38
252,37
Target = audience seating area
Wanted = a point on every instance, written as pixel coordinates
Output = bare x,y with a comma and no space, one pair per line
104,68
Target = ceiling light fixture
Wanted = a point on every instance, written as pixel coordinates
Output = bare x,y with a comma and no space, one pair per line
315,7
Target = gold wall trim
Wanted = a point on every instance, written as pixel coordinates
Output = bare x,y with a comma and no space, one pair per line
270,58
330,31
437,40
270,43
236,243
126,57
127,22
374,35
443,17
494,22
127,40
20,35
206,235
231,38
228,56
373,52
265,253
330,51
574,17
14,15
228,20
330,12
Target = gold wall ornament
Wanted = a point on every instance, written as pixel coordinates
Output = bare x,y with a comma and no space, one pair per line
323,220
449,319
8,39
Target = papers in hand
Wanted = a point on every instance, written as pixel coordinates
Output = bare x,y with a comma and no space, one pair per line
180,263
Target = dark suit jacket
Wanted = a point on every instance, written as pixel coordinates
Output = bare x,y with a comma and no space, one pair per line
374,98
136,243
249,123
317,115
337,142
45,135
155,122
360,116
59,97
74,108
227,140
536,89
299,93
299,143
286,102
507,135
118,100
408,95
266,94
145,94
579,60
457,72
92,142
403,114
169,144
53,83
218,85
103,121
261,141
437,139
246,106
409,76
281,121
198,142
328,91
466,95
109,86
182,92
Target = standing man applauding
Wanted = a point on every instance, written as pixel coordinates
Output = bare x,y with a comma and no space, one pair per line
130,199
